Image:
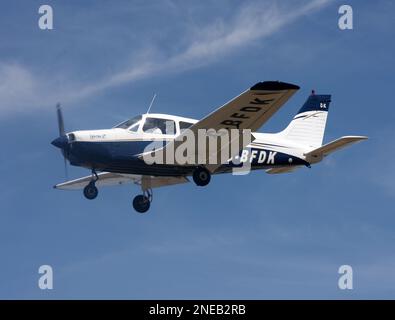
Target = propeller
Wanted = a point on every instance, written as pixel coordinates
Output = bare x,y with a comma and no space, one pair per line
60,120
62,141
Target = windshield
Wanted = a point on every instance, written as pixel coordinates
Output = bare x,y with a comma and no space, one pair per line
126,124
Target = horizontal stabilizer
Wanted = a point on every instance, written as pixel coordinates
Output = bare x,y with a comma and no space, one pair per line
317,154
282,169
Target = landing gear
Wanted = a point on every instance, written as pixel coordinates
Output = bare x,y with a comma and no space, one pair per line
90,191
142,202
201,176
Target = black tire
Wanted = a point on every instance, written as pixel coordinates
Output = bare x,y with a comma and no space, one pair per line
201,176
90,191
141,203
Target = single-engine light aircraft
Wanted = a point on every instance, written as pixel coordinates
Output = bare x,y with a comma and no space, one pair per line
116,156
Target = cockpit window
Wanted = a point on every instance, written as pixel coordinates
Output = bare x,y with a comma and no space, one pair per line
159,126
126,124
184,125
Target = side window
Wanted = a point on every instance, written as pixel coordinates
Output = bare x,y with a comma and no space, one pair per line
159,126
184,125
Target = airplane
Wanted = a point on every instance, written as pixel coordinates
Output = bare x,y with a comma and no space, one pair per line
115,156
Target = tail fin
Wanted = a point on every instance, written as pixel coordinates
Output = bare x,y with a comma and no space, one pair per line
308,126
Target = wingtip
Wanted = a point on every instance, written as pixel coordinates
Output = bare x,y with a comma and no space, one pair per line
357,137
275,86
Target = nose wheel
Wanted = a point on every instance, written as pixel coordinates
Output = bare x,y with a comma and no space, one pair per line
142,202
91,191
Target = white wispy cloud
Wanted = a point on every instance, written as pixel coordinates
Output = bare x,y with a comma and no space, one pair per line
21,89
18,87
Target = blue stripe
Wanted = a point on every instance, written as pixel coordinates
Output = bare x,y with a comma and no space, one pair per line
121,157
316,102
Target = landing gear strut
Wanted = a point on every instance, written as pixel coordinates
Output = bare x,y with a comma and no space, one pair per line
142,202
90,191
201,176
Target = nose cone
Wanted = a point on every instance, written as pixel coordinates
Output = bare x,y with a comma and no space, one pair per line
60,142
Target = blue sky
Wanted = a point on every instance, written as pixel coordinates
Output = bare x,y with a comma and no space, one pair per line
255,236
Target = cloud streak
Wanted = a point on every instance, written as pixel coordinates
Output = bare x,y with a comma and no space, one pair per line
21,90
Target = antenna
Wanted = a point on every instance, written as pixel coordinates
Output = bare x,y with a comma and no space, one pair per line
152,102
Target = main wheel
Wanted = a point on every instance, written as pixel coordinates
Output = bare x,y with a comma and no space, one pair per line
90,191
201,176
141,203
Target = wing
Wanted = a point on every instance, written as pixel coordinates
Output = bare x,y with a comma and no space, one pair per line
111,179
250,110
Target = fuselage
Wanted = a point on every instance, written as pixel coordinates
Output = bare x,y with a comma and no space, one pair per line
118,149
